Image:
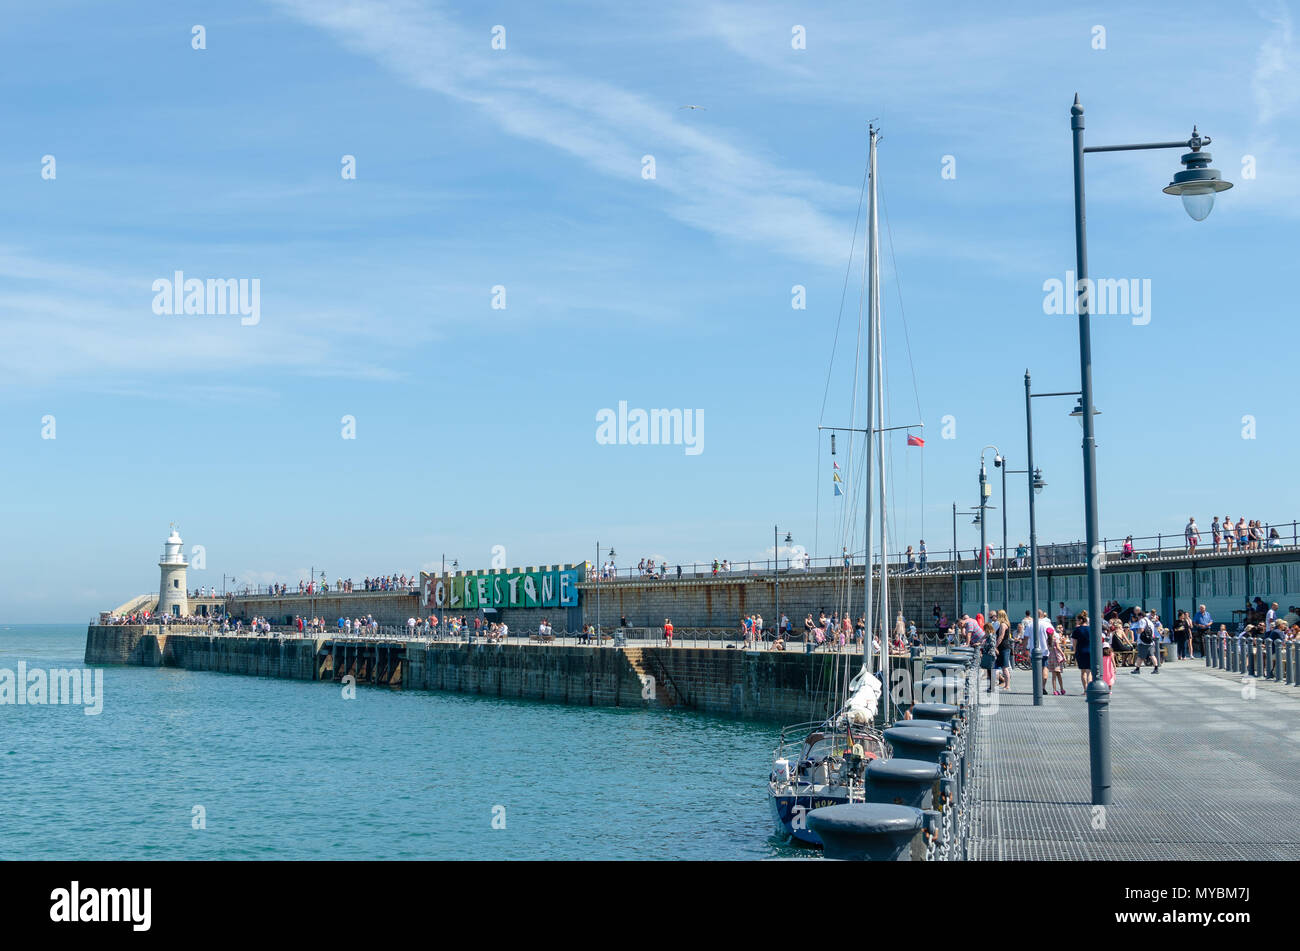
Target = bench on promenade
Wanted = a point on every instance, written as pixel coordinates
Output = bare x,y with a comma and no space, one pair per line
541,638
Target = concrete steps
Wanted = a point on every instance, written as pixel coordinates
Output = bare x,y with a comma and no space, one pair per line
653,677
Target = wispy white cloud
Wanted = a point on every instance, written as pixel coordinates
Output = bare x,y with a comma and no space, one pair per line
710,180
94,328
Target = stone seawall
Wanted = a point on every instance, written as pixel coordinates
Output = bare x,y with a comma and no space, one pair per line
141,646
754,685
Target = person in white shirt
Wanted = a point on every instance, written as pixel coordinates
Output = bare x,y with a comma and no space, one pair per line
1042,631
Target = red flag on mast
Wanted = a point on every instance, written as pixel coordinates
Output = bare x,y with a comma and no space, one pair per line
915,440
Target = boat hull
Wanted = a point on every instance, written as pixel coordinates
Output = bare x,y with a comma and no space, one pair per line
790,813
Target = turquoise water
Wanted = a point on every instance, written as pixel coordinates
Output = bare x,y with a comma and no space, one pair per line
288,769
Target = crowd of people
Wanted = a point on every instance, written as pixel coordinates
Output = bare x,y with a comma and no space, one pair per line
394,582
1225,535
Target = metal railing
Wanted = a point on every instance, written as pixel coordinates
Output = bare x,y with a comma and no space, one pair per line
1160,544
321,591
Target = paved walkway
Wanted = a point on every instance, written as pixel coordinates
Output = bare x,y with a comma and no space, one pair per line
1203,769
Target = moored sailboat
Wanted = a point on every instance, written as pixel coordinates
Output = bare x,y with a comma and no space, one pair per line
824,763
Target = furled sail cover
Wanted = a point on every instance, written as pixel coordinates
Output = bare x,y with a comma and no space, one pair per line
863,701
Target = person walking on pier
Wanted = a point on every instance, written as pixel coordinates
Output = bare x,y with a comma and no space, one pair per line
1041,630
1202,621
1216,534
1192,535
1082,635
1144,636
1183,635
921,553
1002,627
1055,663
668,631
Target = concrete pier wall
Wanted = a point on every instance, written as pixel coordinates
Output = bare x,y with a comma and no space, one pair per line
758,685
146,646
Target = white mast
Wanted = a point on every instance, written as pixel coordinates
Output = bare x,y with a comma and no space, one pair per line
880,446
871,389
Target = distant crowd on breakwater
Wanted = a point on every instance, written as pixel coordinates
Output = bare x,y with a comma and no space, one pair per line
1225,535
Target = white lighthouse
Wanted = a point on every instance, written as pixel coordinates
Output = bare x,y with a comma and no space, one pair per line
173,596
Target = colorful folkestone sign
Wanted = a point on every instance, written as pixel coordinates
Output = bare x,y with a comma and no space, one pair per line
548,587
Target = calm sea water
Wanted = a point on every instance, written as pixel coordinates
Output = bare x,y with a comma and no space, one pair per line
288,769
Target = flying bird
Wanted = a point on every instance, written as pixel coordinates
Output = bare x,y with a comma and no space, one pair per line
693,107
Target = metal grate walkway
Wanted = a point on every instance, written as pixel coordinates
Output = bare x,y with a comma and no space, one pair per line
1203,769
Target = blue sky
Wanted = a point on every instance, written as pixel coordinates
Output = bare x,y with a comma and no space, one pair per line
522,167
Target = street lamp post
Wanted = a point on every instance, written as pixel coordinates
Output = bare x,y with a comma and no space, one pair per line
956,558
455,563
776,573
956,593
599,578
985,491
1197,185
1036,486
1001,463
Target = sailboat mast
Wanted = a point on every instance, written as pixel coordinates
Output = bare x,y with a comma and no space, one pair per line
871,391
880,447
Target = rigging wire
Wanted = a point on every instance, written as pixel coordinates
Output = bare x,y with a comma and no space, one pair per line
916,393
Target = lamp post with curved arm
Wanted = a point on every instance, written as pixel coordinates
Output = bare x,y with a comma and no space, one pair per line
1196,184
